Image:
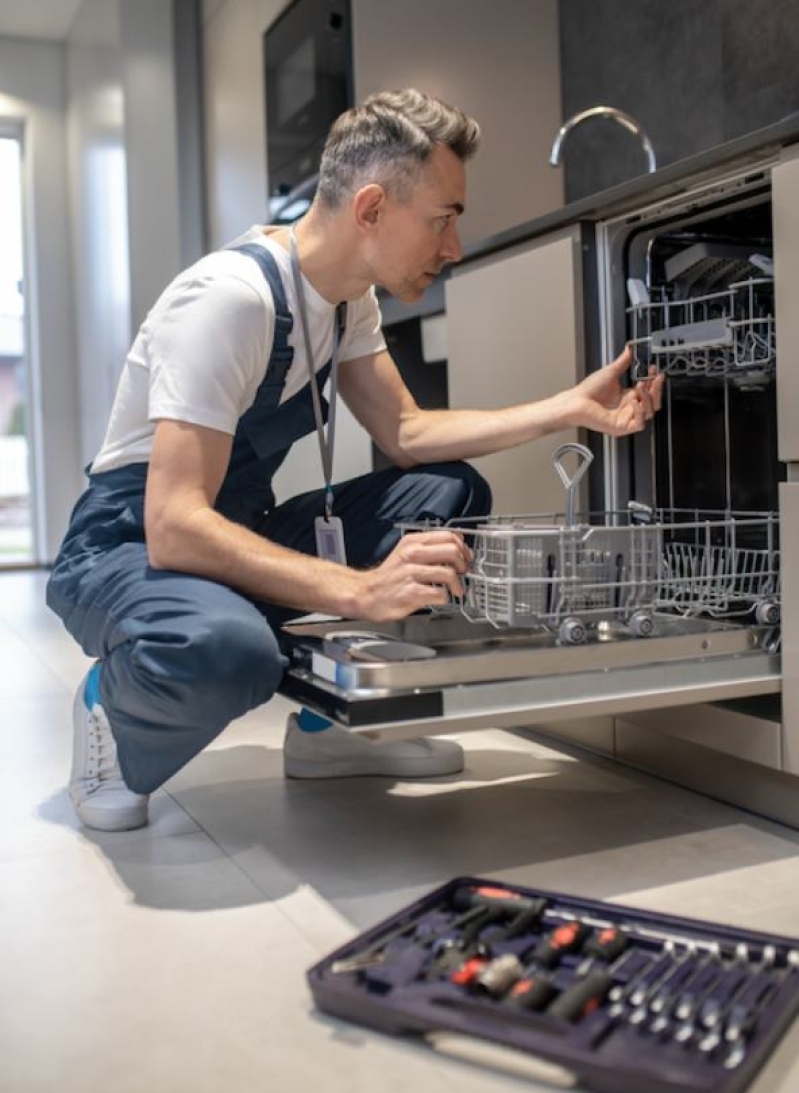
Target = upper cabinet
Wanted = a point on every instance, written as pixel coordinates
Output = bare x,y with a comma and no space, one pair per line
693,75
499,62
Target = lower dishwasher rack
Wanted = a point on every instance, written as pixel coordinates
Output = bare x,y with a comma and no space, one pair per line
431,674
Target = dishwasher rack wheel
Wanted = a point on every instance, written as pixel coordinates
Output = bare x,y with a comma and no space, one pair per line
572,631
767,614
641,624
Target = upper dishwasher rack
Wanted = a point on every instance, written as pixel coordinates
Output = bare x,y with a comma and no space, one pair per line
714,316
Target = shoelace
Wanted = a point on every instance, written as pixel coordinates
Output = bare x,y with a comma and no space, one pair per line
102,748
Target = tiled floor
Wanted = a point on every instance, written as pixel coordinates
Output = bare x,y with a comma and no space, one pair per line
174,958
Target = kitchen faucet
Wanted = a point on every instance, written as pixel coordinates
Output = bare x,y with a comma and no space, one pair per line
602,112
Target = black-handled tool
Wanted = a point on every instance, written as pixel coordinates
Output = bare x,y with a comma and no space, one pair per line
607,944
582,997
563,939
533,992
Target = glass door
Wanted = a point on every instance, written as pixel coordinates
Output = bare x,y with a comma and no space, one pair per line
16,509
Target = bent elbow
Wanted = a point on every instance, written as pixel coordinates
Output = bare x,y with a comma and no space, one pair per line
404,460
157,556
161,545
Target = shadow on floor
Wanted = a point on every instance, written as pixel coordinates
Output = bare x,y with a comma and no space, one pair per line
575,826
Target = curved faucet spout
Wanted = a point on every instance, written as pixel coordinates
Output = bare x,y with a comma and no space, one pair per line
603,112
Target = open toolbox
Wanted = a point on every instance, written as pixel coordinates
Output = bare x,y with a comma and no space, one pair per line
619,999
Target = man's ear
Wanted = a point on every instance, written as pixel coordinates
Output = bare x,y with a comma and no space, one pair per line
368,205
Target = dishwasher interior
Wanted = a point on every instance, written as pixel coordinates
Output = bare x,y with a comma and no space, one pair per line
665,593
700,306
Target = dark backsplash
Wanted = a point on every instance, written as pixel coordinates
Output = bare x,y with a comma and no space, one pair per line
694,73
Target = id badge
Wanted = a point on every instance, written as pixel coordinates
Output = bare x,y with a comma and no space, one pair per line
330,539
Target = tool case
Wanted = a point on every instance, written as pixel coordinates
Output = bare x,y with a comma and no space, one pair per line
611,997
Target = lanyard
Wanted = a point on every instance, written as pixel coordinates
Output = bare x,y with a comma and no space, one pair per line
325,445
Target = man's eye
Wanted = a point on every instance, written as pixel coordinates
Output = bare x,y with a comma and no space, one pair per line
441,223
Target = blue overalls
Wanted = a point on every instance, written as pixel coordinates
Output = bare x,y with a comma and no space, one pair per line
182,655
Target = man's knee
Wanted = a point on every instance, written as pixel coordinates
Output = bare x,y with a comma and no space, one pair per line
241,662
456,491
222,665
476,499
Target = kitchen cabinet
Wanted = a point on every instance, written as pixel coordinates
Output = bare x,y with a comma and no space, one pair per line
785,187
514,334
789,518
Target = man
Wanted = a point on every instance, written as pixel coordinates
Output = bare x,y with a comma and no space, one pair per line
178,568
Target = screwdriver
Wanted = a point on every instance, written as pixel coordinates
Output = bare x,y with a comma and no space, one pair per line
606,944
532,993
534,990
496,977
453,952
582,998
512,903
563,939
377,952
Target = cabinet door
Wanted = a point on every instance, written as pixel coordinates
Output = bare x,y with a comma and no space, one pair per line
514,332
785,211
789,565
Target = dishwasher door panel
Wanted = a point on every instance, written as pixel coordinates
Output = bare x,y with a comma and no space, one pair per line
480,677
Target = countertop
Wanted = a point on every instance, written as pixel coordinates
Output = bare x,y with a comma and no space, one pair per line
754,147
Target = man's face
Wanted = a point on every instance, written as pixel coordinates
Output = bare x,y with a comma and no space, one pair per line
418,236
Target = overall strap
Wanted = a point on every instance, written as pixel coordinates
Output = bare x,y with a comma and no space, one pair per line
283,317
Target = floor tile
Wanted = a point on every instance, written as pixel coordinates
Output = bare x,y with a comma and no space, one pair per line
174,958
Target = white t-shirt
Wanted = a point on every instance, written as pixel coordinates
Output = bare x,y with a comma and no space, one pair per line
202,351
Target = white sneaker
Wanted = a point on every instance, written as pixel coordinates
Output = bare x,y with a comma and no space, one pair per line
337,753
98,791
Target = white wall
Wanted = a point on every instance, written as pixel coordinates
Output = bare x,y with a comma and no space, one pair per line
32,91
133,227
99,212
151,139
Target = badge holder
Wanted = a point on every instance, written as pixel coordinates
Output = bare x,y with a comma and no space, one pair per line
329,532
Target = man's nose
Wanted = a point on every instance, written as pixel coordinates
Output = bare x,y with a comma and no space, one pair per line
451,249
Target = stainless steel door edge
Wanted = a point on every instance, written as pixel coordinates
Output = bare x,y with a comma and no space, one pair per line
485,654
512,703
512,683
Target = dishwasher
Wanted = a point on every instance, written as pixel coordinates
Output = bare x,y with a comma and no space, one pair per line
665,588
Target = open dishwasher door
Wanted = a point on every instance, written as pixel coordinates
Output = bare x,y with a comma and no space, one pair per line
442,673
562,618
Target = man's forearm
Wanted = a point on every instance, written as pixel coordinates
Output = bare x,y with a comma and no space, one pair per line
208,545
440,435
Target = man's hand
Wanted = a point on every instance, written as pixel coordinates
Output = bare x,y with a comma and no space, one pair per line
423,570
600,402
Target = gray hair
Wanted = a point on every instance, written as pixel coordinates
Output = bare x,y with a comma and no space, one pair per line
387,139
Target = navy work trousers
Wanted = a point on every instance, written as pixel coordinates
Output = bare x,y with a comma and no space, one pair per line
183,656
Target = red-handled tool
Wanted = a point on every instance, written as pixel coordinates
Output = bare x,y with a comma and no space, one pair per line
607,944
504,899
563,939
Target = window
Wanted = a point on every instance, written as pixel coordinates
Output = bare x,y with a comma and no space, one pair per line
16,522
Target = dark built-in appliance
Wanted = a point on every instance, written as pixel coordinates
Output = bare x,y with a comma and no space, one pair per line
308,83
